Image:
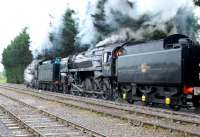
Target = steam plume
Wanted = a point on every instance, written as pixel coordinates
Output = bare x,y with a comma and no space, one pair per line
121,20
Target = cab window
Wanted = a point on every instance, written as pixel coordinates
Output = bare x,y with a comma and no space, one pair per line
106,57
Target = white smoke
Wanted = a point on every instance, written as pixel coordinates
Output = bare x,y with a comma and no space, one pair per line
84,10
127,34
30,70
159,13
166,9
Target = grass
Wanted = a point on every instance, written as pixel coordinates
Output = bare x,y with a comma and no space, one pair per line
2,79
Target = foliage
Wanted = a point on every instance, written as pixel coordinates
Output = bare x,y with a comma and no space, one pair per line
68,34
121,21
2,77
155,35
187,23
99,20
47,54
63,40
197,2
16,57
158,34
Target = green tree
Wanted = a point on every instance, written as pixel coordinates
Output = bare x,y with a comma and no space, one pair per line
64,40
16,57
99,20
197,2
68,34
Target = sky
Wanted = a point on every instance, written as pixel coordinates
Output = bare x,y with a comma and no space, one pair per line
35,14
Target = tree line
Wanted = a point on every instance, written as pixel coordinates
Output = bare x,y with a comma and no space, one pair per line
17,55
197,2
63,40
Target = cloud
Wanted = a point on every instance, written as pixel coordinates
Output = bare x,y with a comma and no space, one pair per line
34,14
16,14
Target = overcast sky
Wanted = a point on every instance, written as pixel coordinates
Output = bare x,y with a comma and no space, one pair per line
35,14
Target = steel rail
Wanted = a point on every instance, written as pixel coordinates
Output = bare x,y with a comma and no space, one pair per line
106,103
172,115
23,124
83,129
131,120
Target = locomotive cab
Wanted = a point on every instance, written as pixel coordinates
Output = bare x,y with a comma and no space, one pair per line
109,60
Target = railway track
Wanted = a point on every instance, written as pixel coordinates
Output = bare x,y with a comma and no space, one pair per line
28,121
13,125
177,123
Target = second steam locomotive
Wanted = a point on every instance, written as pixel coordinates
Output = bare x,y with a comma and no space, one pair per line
166,72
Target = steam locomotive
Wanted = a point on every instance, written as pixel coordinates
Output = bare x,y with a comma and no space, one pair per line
165,71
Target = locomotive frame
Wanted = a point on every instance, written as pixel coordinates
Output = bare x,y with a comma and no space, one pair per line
166,72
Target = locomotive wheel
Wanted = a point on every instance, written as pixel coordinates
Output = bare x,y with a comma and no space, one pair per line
78,93
175,107
196,101
40,87
106,89
83,86
66,89
177,102
55,88
96,88
47,87
116,95
150,92
43,86
88,84
145,89
51,88
73,92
